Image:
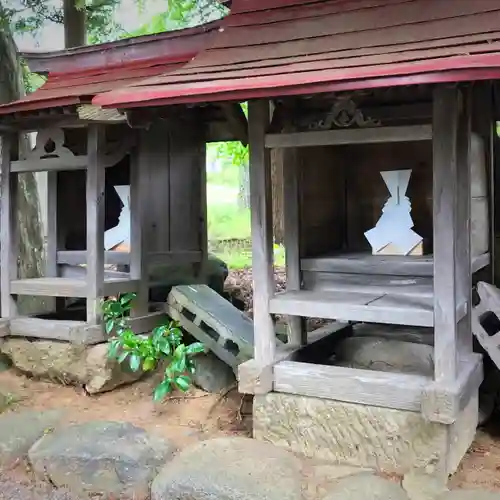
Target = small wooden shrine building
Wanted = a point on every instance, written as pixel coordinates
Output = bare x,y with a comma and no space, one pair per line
352,89
86,151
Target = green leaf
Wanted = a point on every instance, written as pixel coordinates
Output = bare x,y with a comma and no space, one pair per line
195,348
149,364
134,362
123,356
183,382
110,324
113,348
162,390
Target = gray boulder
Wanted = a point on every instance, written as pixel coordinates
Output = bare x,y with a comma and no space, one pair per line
69,364
111,459
374,353
469,495
230,469
20,431
212,374
366,487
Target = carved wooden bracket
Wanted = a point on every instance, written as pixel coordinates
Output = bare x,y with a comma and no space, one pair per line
50,144
343,114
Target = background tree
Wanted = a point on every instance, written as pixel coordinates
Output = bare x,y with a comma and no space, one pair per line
31,254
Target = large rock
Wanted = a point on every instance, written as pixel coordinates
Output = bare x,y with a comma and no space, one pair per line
230,469
386,355
366,487
69,364
184,274
20,431
212,374
112,459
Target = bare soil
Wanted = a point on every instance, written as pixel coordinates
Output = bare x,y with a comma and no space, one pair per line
185,419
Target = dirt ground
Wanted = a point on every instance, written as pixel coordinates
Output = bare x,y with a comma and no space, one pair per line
185,419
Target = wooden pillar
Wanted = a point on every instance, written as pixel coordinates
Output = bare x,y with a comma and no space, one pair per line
9,247
138,247
95,222
297,333
452,268
262,237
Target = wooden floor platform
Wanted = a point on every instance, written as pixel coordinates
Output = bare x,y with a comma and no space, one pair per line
365,306
366,263
69,287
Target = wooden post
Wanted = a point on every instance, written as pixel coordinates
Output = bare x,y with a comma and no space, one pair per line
9,221
451,195
262,238
291,213
95,222
138,248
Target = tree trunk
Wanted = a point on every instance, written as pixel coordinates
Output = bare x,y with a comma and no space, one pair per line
31,253
75,25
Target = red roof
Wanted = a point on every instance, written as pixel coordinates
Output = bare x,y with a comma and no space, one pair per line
282,47
77,75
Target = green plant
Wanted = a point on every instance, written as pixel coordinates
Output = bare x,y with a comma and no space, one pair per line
163,347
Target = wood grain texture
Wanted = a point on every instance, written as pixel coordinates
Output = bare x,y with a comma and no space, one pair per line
95,222
388,390
374,135
262,233
373,307
138,242
291,213
445,211
8,215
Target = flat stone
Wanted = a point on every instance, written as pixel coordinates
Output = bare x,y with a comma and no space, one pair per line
230,469
366,487
470,495
20,431
212,374
377,353
104,458
69,364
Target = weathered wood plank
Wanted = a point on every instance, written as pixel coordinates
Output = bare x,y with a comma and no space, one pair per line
118,286
297,332
350,306
445,204
79,257
138,242
463,272
139,324
443,404
51,247
95,221
344,282
69,331
262,233
4,328
388,390
393,265
374,135
8,247
50,164
50,287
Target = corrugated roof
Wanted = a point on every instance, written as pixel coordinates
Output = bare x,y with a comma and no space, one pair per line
77,75
281,47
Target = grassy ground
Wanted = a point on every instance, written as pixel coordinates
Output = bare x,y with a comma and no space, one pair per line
229,231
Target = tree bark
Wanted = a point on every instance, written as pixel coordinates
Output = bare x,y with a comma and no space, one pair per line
31,252
75,25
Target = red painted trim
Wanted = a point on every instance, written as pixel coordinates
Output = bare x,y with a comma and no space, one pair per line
31,105
318,88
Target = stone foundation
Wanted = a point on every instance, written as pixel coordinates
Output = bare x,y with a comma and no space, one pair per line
365,436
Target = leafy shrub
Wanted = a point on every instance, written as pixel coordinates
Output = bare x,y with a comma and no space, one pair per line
163,346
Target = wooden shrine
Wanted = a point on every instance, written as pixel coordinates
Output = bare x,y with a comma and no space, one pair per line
355,93
85,152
